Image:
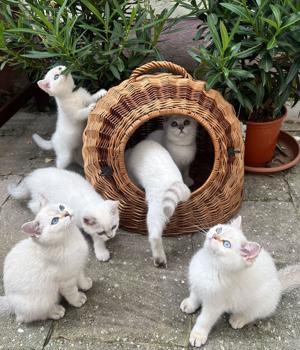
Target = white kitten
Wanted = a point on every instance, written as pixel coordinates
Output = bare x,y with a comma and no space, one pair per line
231,274
96,216
179,138
73,108
151,166
50,264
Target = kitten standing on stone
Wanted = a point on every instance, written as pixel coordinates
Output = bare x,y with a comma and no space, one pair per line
41,269
231,274
96,216
73,108
179,138
150,166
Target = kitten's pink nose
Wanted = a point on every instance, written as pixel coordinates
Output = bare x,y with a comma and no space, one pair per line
67,214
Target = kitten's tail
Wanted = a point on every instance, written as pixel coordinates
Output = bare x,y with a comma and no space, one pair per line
19,191
4,306
178,192
44,144
289,277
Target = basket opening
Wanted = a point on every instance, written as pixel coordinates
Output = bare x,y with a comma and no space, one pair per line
203,163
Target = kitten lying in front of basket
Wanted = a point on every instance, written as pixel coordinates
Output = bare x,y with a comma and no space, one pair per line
48,265
73,108
96,216
179,138
231,274
150,166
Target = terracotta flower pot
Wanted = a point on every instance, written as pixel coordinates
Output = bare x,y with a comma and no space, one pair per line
261,138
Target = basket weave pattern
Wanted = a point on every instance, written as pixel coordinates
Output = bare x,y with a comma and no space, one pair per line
137,100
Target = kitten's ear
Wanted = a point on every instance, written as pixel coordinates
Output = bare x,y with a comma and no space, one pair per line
114,205
250,250
237,222
44,85
43,200
31,228
89,220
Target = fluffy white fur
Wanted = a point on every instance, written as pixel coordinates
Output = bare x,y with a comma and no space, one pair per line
50,264
73,108
179,138
96,216
241,279
150,166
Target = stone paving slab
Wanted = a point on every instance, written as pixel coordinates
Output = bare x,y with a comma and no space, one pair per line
131,300
266,188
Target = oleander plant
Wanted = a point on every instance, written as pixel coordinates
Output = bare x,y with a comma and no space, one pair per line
101,42
250,51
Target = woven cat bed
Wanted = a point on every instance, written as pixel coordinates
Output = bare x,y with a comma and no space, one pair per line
134,108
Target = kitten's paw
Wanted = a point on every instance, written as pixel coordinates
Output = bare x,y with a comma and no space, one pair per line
101,93
188,306
102,255
198,338
160,261
237,321
189,181
91,106
86,283
81,299
57,312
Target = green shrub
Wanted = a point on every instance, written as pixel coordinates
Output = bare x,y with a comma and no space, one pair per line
99,41
250,51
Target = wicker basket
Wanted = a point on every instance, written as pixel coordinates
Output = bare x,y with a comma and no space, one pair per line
130,111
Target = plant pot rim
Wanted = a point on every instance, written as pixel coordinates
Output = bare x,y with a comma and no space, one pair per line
293,144
284,114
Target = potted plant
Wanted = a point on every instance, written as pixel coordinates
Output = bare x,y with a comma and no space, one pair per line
101,42
250,51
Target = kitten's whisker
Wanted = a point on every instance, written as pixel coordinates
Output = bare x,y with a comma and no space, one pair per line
201,230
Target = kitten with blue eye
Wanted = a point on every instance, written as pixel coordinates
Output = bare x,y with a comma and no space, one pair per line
73,108
231,274
96,216
179,138
41,269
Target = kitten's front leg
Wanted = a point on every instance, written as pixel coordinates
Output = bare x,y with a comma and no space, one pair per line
83,113
69,291
84,282
186,176
101,251
190,304
209,315
99,94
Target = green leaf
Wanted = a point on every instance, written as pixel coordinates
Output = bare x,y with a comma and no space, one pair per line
241,73
40,54
270,22
214,33
58,16
120,64
248,52
212,81
224,36
293,71
93,9
266,62
271,43
115,72
276,13
240,11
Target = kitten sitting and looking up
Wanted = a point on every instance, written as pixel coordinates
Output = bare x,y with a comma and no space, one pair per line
231,274
48,265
